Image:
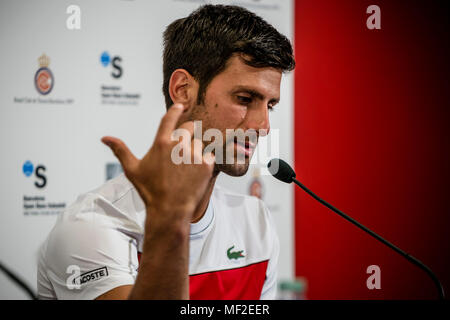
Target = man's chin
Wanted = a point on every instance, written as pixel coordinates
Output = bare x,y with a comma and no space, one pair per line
234,170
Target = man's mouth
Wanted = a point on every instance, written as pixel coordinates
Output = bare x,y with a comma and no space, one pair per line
246,147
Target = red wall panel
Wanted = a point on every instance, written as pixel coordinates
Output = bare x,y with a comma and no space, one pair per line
372,138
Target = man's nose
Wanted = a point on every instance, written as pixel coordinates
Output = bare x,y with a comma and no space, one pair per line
258,120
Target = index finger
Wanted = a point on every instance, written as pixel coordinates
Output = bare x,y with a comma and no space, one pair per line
169,121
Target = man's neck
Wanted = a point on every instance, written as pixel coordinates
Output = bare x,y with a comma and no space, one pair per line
203,204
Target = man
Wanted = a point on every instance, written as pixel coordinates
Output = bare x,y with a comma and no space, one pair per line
164,230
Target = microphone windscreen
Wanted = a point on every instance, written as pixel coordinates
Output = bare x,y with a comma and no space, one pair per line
281,170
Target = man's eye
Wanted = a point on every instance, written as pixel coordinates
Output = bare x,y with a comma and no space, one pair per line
244,100
271,107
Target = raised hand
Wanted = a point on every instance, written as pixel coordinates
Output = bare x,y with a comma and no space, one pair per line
170,192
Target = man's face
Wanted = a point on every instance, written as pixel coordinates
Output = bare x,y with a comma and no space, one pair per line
239,98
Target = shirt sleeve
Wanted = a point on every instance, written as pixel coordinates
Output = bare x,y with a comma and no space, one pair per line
87,256
269,291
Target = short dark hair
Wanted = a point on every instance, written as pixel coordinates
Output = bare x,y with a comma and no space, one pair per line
203,42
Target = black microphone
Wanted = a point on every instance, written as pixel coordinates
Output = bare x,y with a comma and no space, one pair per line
283,172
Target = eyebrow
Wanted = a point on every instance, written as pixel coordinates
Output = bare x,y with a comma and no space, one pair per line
253,93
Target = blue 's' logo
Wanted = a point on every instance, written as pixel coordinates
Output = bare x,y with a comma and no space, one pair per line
115,62
28,168
105,58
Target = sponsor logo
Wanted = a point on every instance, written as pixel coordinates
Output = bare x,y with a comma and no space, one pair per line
113,93
28,169
44,79
36,204
234,254
256,187
115,62
89,276
113,170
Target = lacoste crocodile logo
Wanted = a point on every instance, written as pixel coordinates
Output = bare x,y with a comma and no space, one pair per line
235,254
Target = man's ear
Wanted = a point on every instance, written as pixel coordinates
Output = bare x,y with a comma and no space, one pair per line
183,88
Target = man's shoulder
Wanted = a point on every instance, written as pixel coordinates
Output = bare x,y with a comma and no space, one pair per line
114,204
98,225
117,194
113,189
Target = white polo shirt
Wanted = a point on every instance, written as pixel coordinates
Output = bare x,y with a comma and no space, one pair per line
96,243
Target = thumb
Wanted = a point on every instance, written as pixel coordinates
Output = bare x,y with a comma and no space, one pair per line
121,151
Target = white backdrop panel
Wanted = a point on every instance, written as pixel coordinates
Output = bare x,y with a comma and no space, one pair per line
60,132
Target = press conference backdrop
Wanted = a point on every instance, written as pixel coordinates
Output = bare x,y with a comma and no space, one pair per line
62,89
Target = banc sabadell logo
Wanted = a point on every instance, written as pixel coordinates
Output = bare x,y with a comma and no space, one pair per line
28,170
44,79
106,59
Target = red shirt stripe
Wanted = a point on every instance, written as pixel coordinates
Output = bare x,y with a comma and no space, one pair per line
243,283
